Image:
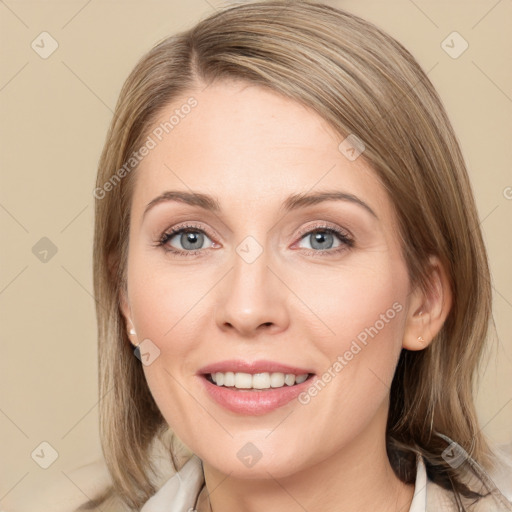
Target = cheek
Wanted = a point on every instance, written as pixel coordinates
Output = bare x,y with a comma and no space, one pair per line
364,310
168,309
166,301
356,302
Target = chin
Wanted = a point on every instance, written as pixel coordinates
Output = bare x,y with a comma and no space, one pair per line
250,462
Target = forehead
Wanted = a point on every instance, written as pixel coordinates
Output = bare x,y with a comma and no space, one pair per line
248,145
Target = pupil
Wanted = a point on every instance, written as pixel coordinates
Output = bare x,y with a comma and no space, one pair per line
188,240
320,237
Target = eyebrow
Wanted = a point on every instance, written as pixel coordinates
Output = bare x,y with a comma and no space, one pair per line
293,202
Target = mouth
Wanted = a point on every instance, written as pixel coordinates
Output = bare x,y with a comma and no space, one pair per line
254,389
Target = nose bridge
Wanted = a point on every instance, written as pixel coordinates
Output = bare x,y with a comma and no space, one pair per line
252,295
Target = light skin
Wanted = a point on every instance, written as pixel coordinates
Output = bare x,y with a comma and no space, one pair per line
300,303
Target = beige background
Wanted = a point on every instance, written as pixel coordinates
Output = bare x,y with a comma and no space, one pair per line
54,115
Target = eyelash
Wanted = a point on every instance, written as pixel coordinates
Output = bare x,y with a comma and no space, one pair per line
347,241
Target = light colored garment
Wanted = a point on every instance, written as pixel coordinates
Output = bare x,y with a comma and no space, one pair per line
180,492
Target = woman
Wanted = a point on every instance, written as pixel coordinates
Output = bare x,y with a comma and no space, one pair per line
287,241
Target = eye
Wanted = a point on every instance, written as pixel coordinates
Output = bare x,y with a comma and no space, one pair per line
184,240
189,240
324,239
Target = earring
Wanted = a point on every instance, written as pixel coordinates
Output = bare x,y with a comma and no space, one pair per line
132,331
420,338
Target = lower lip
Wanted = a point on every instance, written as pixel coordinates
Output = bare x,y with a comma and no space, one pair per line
254,403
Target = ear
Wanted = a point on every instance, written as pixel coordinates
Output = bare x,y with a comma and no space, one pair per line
124,305
428,309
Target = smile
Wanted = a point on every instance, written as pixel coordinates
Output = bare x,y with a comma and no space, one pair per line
254,387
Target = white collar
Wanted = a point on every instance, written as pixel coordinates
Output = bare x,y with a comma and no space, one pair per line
179,493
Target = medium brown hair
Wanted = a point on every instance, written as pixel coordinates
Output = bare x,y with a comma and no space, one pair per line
362,82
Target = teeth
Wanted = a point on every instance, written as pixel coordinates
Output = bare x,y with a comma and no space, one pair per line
261,381
277,380
301,378
242,380
289,380
229,379
258,380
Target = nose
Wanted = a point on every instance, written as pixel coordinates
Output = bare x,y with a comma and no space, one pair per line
252,299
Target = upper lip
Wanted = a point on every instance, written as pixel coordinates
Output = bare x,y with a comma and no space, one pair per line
260,366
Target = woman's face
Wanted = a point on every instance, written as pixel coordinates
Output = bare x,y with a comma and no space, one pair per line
266,278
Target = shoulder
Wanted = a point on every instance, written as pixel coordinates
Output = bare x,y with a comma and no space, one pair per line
502,475
495,485
180,492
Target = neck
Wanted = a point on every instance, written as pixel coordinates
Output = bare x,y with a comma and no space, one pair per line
358,477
